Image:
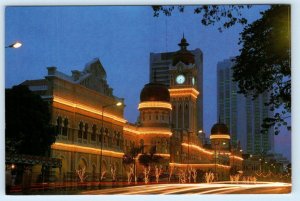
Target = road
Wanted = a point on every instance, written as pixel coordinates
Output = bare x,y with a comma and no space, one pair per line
214,188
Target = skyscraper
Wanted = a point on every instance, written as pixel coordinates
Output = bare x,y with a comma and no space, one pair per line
160,64
241,114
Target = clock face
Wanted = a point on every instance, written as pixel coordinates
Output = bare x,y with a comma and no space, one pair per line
180,79
193,81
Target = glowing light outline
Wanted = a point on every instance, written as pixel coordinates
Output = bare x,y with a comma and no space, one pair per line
184,92
222,136
197,148
199,164
88,109
147,131
155,104
158,154
210,152
84,149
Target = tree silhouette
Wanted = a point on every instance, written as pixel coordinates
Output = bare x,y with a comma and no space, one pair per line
27,123
226,15
264,66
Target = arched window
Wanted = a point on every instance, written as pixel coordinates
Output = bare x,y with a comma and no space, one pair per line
65,128
101,135
114,137
80,131
118,138
94,130
59,125
172,117
105,135
86,128
186,116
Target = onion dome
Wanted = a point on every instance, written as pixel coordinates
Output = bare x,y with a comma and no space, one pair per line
183,54
219,128
155,92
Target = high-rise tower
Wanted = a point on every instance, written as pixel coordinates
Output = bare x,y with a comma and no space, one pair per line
241,114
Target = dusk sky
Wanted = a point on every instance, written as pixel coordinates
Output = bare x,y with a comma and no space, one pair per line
122,37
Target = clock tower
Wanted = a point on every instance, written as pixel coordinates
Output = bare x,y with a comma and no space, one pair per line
183,92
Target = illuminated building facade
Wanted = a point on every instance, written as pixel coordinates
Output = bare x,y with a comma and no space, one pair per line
92,133
77,104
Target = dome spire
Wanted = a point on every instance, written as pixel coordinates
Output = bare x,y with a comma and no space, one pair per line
183,43
183,55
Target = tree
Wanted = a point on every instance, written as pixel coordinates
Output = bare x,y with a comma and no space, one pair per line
264,66
129,159
27,128
227,15
147,159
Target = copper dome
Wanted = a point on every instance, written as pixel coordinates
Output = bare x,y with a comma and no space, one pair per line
155,92
219,128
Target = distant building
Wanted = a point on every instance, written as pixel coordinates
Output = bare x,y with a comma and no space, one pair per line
242,115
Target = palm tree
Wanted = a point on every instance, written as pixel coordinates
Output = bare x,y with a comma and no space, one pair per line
146,159
130,158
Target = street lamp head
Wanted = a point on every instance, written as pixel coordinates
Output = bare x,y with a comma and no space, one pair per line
118,104
15,45
200,131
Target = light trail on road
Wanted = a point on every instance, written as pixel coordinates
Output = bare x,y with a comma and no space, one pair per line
213,188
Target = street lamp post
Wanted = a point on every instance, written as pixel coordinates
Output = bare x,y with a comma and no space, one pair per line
201,136
188,149
102,129
260,164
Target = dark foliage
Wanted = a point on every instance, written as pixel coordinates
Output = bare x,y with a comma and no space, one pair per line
130,157
27,118
264,63
147,159
127,160
226,15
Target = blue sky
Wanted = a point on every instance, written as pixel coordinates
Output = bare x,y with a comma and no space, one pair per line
122,37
